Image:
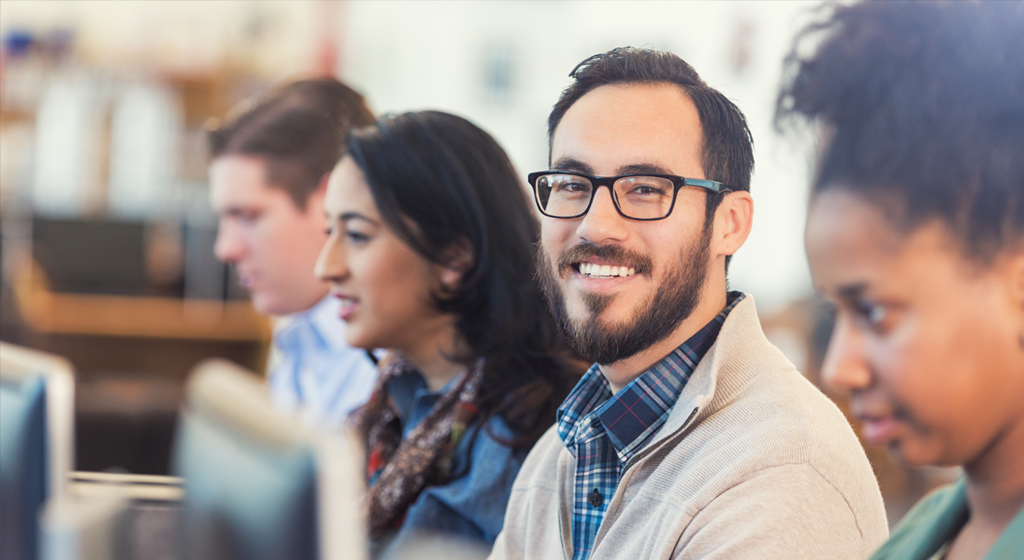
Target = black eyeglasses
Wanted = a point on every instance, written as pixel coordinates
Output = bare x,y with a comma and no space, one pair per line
644,197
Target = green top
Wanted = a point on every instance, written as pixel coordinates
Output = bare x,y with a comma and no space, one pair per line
936,520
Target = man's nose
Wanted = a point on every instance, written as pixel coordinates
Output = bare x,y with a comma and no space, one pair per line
229,246
603,222
845,367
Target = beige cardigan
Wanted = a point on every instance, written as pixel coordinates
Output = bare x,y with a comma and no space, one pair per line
753,462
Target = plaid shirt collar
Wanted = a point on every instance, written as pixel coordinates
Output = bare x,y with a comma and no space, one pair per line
632,416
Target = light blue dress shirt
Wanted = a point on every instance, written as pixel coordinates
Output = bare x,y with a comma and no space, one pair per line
313,371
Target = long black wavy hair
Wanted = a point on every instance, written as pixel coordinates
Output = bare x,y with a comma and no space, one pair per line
440,182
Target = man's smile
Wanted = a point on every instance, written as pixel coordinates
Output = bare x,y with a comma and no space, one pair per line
598,268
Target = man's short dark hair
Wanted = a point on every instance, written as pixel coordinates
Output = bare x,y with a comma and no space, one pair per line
299,131
727,152
923,104
726,149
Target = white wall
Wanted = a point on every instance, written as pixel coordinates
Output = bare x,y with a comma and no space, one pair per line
416,55
408,55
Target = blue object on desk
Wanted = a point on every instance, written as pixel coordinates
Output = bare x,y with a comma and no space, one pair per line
23,465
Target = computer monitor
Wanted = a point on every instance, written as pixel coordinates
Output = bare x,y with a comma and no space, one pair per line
260,484
36,442
85,528
67,249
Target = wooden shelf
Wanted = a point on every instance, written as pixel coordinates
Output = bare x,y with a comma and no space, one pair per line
157,317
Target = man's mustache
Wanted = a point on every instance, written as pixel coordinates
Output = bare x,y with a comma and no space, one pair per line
614,253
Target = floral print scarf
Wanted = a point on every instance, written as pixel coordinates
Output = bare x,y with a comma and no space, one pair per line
399,469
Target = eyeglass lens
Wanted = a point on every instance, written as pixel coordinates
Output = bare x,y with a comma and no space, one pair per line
566,196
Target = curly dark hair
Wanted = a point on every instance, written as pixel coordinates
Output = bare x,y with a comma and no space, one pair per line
922,109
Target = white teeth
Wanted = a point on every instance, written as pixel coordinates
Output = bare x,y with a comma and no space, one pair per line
605,271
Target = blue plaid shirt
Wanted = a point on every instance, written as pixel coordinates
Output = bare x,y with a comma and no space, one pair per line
603,431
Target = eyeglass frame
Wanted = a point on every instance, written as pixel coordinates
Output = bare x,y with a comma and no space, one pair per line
609,181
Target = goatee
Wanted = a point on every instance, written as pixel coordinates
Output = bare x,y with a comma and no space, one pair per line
656,316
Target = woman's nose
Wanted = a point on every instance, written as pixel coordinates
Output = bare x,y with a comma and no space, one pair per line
331,264
845,367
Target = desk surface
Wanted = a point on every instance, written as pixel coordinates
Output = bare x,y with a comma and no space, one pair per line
150,525
131,486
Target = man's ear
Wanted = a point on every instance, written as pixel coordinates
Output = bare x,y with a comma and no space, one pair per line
1017,275
458,259
733,220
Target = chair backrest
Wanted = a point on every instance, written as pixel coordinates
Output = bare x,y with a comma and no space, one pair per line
260,484
36,442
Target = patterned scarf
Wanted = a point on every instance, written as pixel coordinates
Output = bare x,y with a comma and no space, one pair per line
399,469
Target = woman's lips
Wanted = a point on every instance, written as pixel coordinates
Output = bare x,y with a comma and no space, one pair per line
347,308
878,430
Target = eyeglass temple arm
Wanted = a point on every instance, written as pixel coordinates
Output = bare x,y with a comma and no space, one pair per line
706,184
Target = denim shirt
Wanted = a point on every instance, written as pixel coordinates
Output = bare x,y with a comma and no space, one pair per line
472,505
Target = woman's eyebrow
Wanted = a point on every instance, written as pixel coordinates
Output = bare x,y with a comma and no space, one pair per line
851,292
348,216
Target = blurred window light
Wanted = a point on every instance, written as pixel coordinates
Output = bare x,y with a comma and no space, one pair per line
68,127
146,130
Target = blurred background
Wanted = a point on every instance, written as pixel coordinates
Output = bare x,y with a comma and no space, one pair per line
107,235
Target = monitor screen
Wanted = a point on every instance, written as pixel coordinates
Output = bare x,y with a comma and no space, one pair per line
22,464
36,445
254,477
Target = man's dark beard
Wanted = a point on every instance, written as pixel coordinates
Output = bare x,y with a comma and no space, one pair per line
656,317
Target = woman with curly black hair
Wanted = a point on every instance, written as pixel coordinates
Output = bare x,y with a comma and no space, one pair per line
916,235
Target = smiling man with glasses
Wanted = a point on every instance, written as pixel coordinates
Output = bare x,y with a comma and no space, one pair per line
692,436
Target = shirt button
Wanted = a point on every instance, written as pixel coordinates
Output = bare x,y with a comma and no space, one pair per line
595,499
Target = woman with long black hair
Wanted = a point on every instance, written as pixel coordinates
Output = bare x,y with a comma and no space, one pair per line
431,254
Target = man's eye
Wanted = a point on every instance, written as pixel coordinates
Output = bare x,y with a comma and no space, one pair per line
572,187
647,190
248,217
